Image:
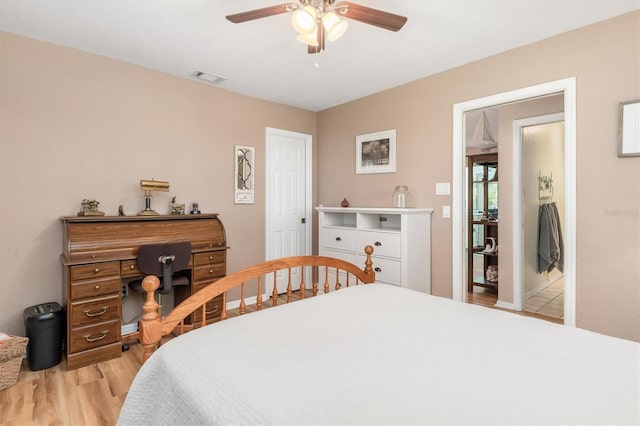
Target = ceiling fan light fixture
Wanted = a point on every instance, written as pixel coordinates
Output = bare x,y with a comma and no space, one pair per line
310,39
334,26
304,20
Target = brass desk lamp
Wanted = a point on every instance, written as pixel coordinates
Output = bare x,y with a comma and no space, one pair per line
147,186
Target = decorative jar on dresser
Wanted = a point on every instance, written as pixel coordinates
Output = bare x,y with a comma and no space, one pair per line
401,239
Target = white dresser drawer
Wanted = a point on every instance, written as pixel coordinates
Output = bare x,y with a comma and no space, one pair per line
342,239
383,243
347,256
386,270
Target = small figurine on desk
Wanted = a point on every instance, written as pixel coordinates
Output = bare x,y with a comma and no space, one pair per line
176,208
90,208
121,210
195,209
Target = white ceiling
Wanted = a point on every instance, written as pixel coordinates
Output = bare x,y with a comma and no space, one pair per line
262,58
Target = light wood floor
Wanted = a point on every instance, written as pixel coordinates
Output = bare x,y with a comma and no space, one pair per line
93,395
488,298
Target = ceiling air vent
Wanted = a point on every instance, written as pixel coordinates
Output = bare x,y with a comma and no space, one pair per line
208,77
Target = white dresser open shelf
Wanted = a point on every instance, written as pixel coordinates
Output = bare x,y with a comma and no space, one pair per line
401,239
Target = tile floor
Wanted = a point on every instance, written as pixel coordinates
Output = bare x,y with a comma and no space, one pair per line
549,302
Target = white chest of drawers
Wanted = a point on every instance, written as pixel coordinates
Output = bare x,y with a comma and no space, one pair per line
401,239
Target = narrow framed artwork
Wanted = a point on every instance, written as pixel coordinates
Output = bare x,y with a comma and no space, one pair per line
244,174
629,131
376,152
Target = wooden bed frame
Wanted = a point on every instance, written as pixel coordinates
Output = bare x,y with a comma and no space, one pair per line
152,328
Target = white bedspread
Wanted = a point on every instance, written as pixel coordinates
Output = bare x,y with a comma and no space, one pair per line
377,354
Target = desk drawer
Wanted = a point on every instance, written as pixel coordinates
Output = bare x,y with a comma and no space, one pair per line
95,270
94,311
94,288
213,310
208,272
129,268
209,258
95,336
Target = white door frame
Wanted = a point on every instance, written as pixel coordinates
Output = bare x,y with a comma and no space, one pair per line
566,86
518,217
308,189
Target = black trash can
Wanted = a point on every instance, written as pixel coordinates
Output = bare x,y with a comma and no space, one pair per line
44,326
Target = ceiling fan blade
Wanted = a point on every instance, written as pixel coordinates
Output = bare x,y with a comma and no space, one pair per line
260,13
386,20
320,47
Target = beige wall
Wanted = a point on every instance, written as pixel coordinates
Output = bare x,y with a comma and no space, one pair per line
605,61
75,125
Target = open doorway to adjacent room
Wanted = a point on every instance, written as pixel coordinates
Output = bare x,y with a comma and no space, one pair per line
492,196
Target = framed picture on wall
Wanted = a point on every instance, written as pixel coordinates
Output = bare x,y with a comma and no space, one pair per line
629,134
376,152
244,174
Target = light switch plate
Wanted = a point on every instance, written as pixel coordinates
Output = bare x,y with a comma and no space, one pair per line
446,212
443,188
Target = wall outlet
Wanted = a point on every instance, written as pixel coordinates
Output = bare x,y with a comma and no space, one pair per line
124,290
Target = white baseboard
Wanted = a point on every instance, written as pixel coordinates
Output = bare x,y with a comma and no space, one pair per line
505,305
248,300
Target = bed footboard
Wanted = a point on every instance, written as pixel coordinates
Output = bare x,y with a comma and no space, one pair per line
334,273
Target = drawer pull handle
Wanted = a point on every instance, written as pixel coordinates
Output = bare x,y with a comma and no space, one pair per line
93,256
377,269
132,267
210,271
95,271
338,239
88,337
377,244
211,312
102,311
210,257
96,288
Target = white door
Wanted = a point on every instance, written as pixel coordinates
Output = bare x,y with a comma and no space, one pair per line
288,199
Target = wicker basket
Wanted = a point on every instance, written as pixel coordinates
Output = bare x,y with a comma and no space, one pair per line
11,352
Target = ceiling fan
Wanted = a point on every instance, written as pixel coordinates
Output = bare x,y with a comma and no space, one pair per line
315,20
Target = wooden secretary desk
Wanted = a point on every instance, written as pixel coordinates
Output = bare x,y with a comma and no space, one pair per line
100,251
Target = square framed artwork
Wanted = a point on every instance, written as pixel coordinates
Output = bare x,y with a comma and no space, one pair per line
629,134
376,152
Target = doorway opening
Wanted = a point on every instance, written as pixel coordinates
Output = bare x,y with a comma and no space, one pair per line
538,156
567,88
